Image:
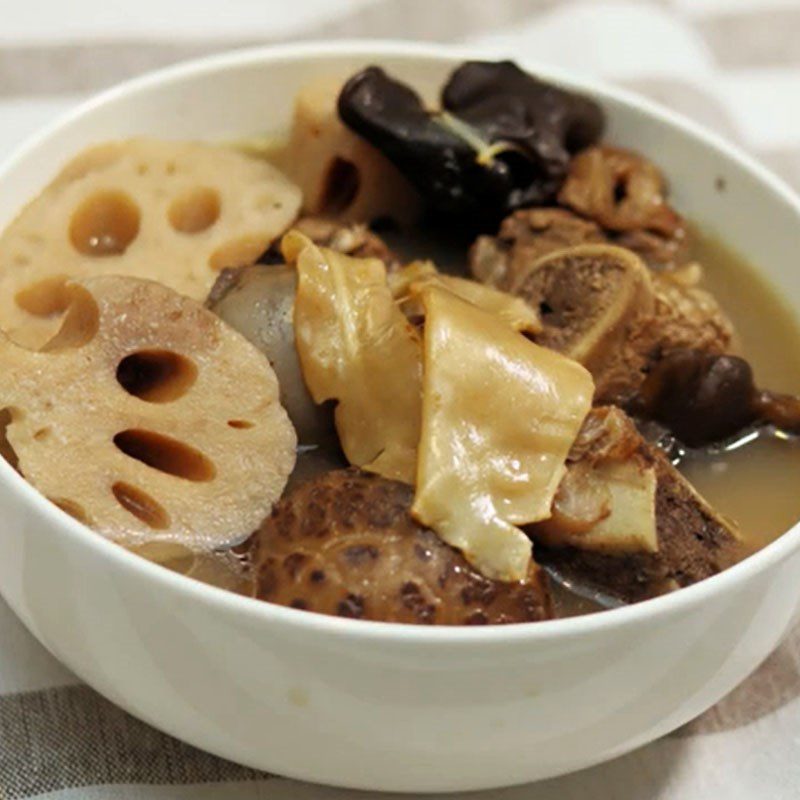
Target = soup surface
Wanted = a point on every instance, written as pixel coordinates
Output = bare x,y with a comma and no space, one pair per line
766,469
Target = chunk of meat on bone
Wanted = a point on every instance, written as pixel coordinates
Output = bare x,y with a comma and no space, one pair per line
688,316
523,238
659,252
606,499
591,300
600,305
531,233
626,194
345,544
693,540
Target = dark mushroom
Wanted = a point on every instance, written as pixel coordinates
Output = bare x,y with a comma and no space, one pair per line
522,116
705,398
345,544
700,397
502,141
780,410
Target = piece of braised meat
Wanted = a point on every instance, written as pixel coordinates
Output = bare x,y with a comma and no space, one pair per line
523,238
354,239
598,303
620,190
686,316
345,544
625,194
529,234
660,253
591,299
694,541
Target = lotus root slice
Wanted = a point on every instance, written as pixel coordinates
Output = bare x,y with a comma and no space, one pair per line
148,418
174,212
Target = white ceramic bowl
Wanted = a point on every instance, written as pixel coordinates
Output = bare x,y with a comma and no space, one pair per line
372,705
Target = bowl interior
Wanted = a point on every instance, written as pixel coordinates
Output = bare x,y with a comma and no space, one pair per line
251,92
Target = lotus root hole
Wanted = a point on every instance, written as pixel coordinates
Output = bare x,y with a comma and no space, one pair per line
75,510
104,224
156,376
165,454
195,210
141,505
240,424
340,187
6,449
237,253
45,298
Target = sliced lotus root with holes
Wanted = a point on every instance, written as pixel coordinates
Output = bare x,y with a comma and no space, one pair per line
341,175
173,212
148,418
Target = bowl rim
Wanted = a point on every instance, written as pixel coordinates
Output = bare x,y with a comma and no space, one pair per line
389,633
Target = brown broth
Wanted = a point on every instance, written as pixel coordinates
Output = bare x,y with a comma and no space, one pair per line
227,570
761,318
756,484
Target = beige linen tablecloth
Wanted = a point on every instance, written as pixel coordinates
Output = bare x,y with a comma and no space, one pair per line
732,64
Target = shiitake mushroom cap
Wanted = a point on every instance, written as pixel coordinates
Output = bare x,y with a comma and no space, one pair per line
345,544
